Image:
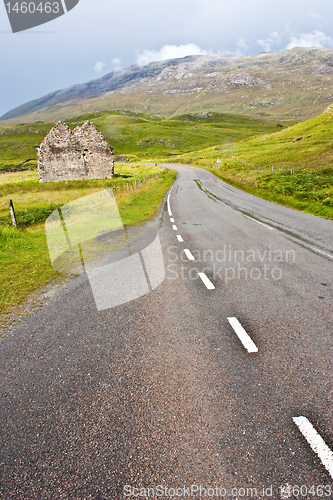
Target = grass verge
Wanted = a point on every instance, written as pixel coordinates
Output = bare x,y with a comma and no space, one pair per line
321,208
25,265
24,259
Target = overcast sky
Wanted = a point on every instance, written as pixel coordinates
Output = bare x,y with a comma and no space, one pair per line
99,36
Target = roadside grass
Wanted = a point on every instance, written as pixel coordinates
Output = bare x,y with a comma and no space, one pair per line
142,205
24,265
298,201
293,167
31,195
24,260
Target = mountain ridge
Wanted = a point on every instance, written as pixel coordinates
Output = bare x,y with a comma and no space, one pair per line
282,85
93,88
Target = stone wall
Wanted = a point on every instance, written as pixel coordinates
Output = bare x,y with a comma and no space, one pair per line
79,155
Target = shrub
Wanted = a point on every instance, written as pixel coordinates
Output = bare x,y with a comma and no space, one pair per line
30,216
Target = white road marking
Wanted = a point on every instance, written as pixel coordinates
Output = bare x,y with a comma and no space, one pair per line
320,251
169,208
316,442
188,254
179,238
258,222
242,335
207,281
175,228
172,220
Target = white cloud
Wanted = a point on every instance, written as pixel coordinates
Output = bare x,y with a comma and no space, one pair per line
242,45
99,66
316,39
315,15
266,44
116,64
169,52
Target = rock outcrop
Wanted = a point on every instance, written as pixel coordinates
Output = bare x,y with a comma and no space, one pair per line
81,154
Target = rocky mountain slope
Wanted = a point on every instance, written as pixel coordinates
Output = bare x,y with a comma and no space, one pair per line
291,84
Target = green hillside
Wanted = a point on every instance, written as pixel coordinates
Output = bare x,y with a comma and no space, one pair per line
138,136
289,165
308,144
293,166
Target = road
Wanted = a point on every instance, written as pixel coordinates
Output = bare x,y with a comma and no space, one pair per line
160,392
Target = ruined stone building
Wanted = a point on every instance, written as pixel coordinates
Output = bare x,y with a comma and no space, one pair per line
81,154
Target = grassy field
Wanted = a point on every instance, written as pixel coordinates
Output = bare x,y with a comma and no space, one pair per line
24,261
293,167
138,136
28,194
288,165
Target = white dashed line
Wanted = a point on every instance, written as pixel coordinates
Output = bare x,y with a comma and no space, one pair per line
172,220
320,251
179,238
207,281
174,227
168,202
316,442
188,254
242,335
254,220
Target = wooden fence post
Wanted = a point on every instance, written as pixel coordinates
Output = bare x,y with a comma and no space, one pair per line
12,213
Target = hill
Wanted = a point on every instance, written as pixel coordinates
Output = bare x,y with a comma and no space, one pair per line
136,135
307,144
293,166
290,84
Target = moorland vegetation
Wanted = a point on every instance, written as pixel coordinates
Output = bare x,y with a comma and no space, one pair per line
285,162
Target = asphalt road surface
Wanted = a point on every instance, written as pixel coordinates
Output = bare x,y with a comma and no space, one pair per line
162,392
